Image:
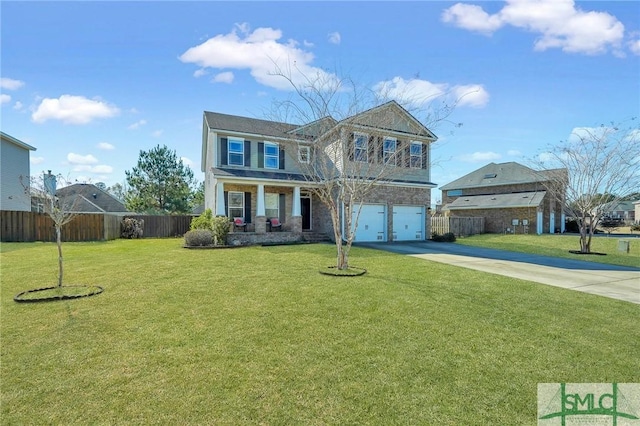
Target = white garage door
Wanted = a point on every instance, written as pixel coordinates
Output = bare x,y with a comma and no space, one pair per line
408,223
371,224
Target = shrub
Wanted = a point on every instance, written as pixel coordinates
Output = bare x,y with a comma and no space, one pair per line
448,237
220,226
204,221
635,227
198,237
132,228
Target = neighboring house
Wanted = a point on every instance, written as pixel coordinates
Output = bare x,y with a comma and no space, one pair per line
509,196
255,168
14,174
620,210
88,198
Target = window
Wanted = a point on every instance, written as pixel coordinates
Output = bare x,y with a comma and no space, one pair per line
389,150
304,154
236,204
360,142
236,152
454,192
416,155
272,205
271,155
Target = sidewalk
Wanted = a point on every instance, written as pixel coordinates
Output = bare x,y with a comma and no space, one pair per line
616,282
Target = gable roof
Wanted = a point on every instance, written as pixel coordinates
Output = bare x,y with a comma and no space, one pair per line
497,174
252,126
497,201
15,141
91,199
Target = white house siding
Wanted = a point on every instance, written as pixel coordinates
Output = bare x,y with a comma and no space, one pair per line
14,162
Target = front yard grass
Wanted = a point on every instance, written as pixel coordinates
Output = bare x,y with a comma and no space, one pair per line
559,246
257,336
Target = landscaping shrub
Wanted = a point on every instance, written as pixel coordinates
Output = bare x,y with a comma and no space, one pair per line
132,228
220,227
198,237
448,237
204,221
635,227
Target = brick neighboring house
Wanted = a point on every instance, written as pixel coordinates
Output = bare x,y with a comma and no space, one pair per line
254,169
511,197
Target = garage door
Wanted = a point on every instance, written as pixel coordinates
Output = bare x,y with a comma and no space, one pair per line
408,223
372,223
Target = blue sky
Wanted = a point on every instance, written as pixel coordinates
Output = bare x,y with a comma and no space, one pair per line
90,84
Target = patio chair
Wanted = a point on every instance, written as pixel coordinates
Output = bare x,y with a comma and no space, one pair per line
274,223
238,222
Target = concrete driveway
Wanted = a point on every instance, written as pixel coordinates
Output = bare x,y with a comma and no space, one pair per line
616,282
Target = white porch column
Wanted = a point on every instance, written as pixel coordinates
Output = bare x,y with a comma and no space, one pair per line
562,219
260,203
296,202
220,210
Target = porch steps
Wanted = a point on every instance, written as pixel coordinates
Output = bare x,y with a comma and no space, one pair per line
315,237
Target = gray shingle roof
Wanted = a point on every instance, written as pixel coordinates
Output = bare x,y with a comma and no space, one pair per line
497,201
235,123
91,199
494,175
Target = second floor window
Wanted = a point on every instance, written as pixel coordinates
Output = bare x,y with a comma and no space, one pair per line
416,155
304,154
236,152
389,150
271,155
360,145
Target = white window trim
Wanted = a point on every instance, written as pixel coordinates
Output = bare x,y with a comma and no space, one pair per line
391,153
229,207
302,149
276,156
229,153
366,147
412,155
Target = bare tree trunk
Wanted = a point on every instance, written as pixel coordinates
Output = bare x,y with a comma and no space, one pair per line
60,266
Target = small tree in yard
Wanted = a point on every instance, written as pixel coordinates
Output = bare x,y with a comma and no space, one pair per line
602,167
336,167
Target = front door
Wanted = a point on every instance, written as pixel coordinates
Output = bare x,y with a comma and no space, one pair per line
305,210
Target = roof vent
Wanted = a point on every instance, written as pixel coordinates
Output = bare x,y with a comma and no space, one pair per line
490,175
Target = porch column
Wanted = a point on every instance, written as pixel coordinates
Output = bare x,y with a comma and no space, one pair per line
220,210
261,220
296,215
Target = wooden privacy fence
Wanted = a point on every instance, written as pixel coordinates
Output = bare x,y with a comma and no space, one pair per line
22,226
459,226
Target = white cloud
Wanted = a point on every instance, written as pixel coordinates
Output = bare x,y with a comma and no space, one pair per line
634,46
157,133
18,106
36,160
479,157
187,162
200,73
418,93
73,110
102,168
10,84
334,38
261,52
223,77
307,44
81,159
137,124
4,99
559,24
105,146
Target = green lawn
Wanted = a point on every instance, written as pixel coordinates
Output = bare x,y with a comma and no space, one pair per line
257,336
559,246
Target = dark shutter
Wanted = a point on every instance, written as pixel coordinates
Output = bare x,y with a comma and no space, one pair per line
247,153
224,153
372,146
247,207
281,159
283,213
226,203
351,147
424,156
261,155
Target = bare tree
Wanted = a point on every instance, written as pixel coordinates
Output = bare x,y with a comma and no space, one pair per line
348,156
602,167
61,210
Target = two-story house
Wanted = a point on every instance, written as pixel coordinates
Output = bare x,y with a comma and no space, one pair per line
260,169
14,173
510,197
